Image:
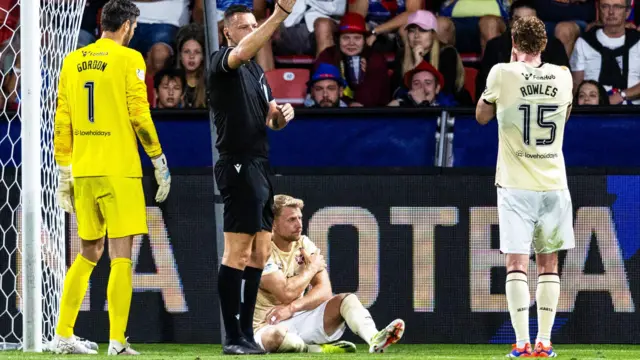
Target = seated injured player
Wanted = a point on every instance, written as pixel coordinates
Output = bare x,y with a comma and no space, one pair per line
290,319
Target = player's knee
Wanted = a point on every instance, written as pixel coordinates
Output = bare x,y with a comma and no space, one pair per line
120,247
238,259
260,256
273,337
547,263
341,296
92,250
517,265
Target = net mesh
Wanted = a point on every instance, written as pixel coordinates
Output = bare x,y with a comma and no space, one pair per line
59,27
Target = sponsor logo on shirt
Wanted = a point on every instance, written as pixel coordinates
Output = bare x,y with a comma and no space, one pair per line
525,155
92,133
91,53
140,74
536,77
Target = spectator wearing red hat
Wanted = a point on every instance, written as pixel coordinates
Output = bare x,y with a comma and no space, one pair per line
424,83
422,44
365,71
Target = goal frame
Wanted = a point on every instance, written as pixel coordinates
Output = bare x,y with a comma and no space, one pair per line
31,186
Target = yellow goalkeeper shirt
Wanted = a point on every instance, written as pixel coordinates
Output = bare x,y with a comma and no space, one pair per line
102,105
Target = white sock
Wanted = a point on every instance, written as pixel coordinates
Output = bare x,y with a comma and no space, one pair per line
547,294
292,343
518,298
358,318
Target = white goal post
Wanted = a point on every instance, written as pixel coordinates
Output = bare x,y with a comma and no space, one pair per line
32,226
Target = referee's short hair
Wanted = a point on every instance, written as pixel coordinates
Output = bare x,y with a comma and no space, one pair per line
283,201
116,12
235,9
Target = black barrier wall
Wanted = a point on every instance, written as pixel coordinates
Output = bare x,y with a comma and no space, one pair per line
422,248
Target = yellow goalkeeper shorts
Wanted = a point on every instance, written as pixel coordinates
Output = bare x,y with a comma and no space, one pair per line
112,205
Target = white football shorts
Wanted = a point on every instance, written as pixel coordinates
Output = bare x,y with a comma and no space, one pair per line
309,325
544,218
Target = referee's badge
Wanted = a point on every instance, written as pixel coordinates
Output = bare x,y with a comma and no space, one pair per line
140,74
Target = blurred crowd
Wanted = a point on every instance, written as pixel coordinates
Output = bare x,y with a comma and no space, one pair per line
374,53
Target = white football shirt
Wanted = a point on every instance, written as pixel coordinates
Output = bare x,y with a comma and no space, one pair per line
531,108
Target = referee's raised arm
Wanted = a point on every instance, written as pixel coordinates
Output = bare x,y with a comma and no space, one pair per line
248,47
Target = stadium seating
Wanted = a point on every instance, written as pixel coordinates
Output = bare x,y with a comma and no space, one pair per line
470,81
289,85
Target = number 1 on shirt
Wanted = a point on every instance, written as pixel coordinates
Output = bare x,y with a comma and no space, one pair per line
89,86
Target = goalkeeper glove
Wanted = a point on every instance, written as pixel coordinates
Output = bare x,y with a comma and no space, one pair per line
65,189
163,177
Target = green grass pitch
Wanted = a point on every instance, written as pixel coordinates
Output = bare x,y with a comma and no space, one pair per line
399,351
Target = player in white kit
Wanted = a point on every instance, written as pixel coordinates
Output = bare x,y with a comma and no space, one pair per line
296,310
532,102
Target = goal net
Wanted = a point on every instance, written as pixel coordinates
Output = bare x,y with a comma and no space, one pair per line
55,25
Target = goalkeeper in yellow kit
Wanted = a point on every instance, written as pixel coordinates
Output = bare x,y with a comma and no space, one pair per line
102,106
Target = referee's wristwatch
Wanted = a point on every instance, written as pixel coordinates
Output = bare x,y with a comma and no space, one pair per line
623,95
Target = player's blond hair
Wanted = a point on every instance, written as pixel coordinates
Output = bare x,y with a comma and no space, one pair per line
529,35
282,201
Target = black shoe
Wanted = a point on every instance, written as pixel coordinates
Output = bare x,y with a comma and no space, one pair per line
241,346
250,340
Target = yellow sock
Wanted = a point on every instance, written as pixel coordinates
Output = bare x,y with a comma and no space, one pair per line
75,287
119,292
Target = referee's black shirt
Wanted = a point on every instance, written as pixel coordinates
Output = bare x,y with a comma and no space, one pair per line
240,102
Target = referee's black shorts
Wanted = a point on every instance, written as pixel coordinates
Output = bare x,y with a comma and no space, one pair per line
247,194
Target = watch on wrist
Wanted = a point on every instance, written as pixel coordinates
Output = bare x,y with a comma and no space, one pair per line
623,95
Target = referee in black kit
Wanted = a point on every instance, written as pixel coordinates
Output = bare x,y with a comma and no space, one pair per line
243,107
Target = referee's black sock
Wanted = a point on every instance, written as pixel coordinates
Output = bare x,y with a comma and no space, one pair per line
229,287
251,279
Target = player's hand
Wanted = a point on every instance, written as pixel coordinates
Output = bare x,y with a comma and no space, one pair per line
278,314
163,177
287,112
314,261
64,194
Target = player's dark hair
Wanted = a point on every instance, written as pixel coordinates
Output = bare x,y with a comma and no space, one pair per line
235,9
529,35
517,4
603,97
116,12
172,74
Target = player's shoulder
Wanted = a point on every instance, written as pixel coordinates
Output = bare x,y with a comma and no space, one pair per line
498,67
130,53
75,54
307,244
560,73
